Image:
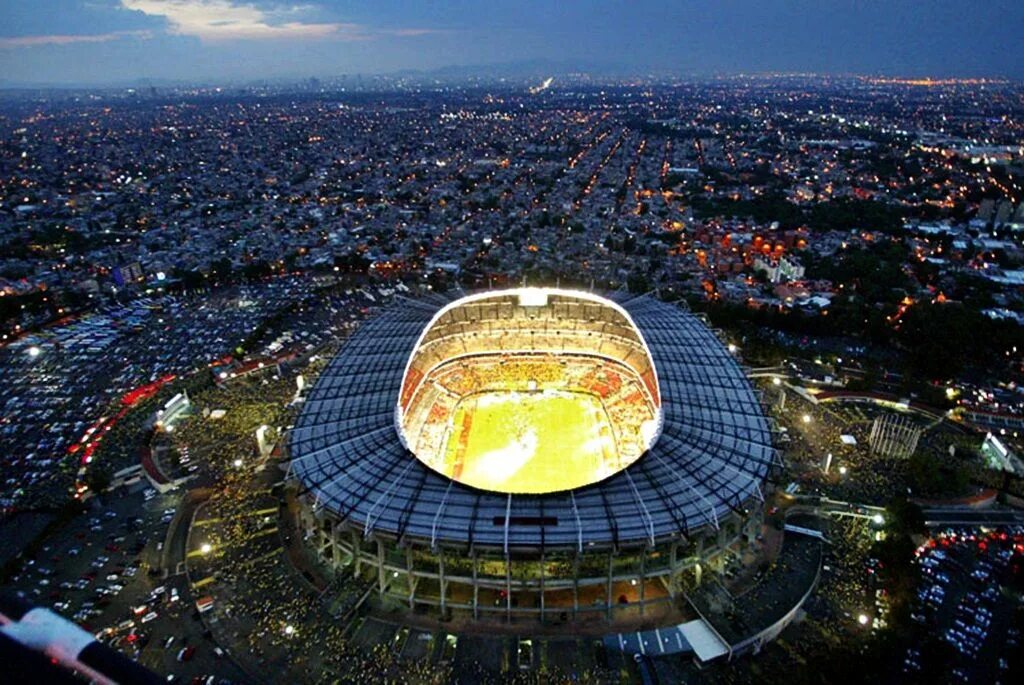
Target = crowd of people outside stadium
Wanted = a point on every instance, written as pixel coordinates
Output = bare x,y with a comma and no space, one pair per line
856,472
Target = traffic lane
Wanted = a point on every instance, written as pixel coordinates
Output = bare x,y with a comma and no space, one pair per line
179,621
938,518
176,541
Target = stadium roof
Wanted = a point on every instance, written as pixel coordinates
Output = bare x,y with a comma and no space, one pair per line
711,458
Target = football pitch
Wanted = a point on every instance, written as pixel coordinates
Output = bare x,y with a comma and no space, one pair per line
529,442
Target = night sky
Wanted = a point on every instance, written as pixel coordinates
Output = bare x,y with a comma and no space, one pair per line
92,42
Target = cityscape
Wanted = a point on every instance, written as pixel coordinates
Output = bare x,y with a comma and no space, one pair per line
523,373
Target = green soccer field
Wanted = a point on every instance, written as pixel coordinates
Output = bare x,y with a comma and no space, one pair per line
529,442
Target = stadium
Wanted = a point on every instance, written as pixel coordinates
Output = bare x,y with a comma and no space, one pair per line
531,453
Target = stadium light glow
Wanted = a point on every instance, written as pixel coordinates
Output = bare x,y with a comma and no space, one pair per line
555,394
533,297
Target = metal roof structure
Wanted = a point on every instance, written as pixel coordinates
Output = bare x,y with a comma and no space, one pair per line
711,458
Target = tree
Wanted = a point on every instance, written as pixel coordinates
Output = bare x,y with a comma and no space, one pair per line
98,479
903,517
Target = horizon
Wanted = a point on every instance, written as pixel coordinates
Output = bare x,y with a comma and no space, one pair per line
509,74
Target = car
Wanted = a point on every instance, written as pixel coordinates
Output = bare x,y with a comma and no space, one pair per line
149,617
186,653
168,642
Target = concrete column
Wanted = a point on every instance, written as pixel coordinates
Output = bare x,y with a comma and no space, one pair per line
508,588
336,546
542,587
673,563
575,585
643,579
608,594
443,580
357,552
381,576
476,586
410,578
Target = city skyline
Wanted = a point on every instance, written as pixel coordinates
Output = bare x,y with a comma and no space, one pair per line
115,42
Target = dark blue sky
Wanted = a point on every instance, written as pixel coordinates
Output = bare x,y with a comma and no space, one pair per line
104,41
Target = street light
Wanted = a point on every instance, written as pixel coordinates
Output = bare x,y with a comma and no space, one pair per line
776,381
34,351
237,463
842,470
807,418
878,519
863,619
206,548
289,629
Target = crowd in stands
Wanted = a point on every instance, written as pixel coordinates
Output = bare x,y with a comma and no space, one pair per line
622,394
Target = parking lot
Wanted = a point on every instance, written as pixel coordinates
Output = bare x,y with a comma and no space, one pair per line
65,383
962,598
103,572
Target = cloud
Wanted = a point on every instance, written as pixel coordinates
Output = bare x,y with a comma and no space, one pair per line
220,20
62,39
415,32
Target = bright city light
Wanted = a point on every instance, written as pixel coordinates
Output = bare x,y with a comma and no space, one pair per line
289,630
206,548
776,381
237,463
842,470
863,619
878,519
807,418
34,351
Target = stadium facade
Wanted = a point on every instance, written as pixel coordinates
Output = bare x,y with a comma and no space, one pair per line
664,472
